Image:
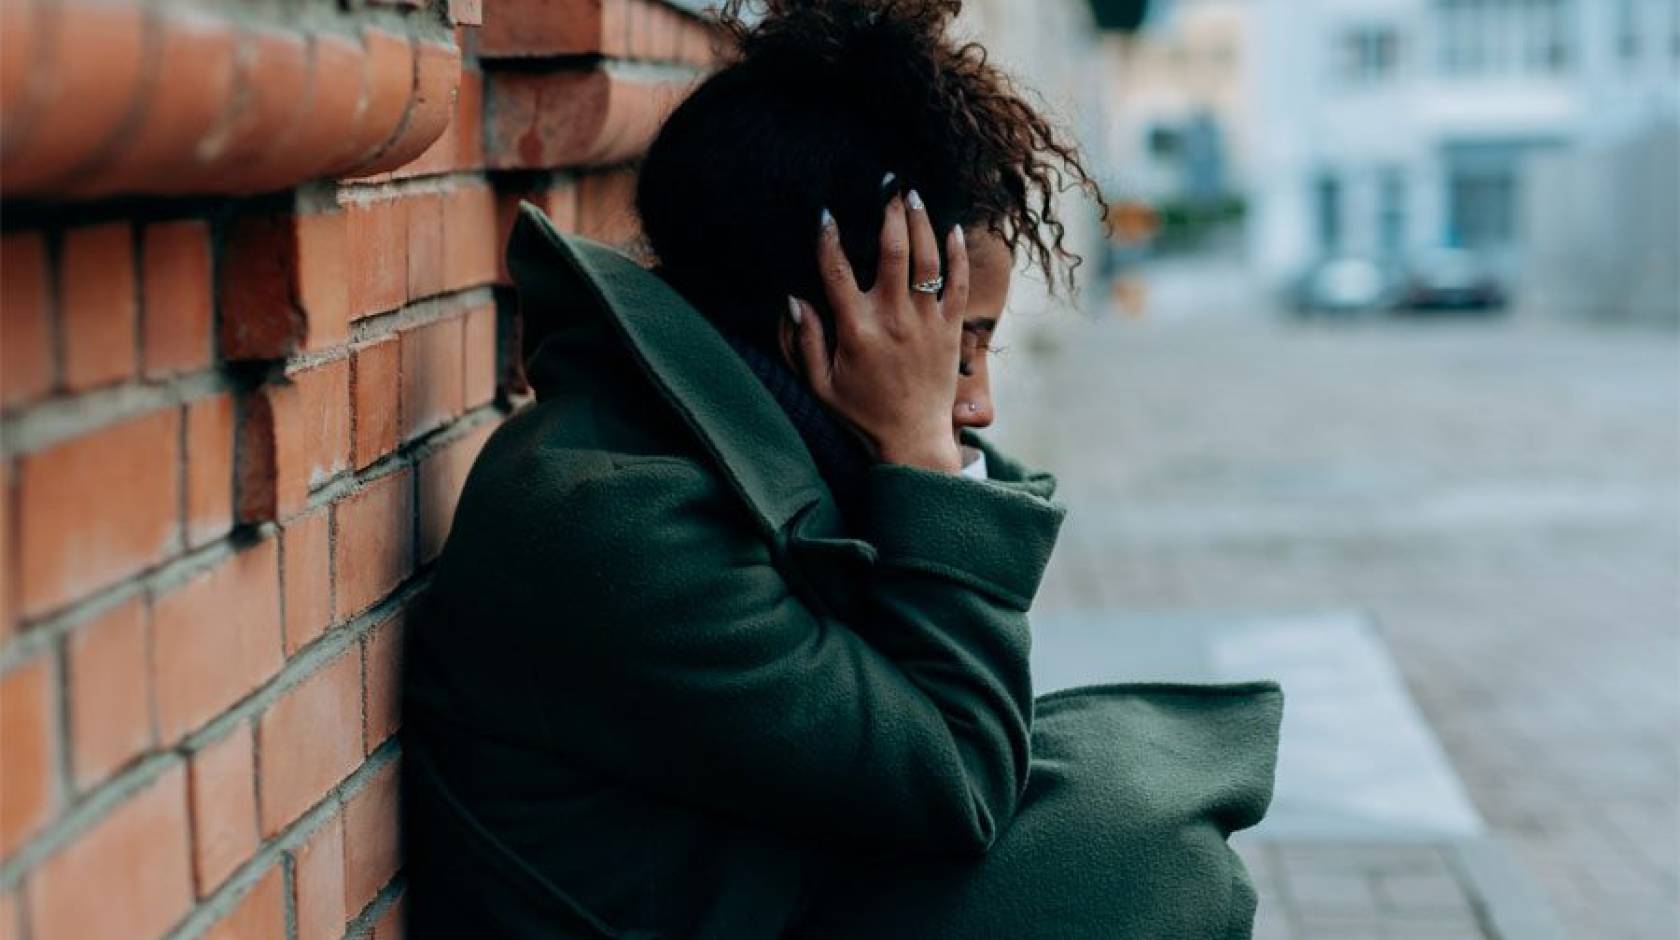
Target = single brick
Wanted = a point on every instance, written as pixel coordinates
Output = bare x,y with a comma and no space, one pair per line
308,741
514,28
375,392
272,74
293,437
370,838
110,692
282,285
431,376
375,543
317,119
97,508
29,726
26,357
96,301
425,245
185,109
333,121
223,789
646,30
615,27
478,350
377,248
137,856
175,292
318,882
210,427
97,53
468,123
437,70
20,31
382,678
259,915
216,638
387,87
442,475
544,120
471,246
669,35
306,578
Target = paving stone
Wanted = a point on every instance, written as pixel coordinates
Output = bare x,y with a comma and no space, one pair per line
1435,892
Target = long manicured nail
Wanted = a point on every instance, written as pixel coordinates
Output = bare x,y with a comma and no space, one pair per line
957,233
796,312
915,201
889,179
827,218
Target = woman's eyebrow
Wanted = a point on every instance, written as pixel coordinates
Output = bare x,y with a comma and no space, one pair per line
981,323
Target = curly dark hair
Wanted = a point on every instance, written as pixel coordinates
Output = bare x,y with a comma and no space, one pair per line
820,99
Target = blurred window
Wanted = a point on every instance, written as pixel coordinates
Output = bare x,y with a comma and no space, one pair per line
1391,212
1493,37
1328,196
1482,194
1627,30
1165,143
1483,209
1674,34
1370,54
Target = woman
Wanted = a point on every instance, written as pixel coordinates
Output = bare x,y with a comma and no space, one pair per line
727,640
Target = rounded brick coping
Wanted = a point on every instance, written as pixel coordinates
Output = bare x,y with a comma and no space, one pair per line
104,98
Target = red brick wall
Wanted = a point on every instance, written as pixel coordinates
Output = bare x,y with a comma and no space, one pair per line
254,329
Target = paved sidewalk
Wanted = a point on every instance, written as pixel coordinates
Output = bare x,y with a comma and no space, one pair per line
1498,497
1465,890
1370,833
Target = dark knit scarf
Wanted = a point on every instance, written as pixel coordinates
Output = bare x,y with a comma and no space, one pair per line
840,457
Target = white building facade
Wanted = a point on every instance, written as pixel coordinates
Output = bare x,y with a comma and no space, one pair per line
1386,128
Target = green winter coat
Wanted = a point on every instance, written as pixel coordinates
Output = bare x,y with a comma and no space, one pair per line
656,691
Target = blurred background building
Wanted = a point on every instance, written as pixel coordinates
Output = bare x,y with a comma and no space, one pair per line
1532,139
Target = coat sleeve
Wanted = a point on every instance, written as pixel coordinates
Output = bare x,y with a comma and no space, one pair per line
674,657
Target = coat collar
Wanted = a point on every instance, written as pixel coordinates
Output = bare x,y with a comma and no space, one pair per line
688,361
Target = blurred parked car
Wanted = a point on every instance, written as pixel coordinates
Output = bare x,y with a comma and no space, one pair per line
1343,286
1451,279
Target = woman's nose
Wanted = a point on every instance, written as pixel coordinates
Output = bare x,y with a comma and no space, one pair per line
973,411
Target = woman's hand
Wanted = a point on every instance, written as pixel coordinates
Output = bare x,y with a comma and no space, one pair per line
893,372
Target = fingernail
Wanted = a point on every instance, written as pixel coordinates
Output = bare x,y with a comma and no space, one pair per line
796,313
957,230
889,179
827,218
915,201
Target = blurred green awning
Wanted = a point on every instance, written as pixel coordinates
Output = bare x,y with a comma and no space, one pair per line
1122,15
